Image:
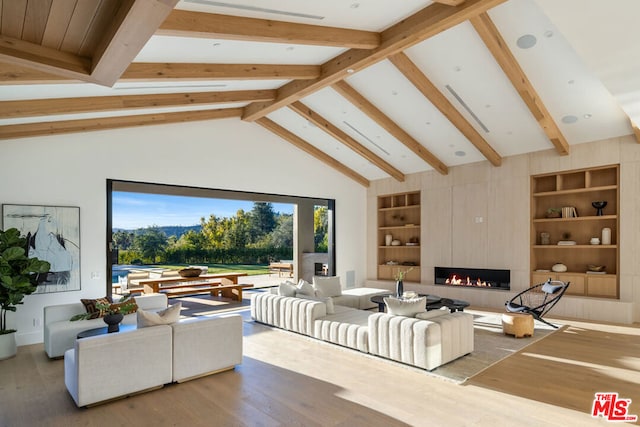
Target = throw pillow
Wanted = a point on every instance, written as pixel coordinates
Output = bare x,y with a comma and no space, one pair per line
305,288
167,316
405,307
118,305
328,301
433,313
90,306
328,286
287,289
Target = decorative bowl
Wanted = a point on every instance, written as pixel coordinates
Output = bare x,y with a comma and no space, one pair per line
190,272
593,267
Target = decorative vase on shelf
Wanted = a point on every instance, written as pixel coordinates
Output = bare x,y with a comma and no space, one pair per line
113,322
606,236
388,239
399,288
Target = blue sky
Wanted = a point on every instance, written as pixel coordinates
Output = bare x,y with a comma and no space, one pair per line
137,210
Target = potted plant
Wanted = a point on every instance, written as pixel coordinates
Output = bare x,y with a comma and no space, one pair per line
112,314
19,276
399,276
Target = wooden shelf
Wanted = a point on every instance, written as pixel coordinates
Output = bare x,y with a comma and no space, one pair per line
399,216
577,189
580,218
567,247
399,227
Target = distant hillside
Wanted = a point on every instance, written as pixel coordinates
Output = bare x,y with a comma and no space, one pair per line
169,230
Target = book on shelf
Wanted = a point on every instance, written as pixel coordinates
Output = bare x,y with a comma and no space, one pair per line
596,272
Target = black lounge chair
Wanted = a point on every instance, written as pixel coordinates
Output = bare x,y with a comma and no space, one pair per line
538,300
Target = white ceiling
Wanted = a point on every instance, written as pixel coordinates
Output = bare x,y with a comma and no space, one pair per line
585,64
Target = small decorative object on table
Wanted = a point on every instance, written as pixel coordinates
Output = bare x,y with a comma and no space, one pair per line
190,272
113,321
388,238
599,206
400,275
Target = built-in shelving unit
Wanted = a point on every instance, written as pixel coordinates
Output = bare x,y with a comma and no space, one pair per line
576,189
399,217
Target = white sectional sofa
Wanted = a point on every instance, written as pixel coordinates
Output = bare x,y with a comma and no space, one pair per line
60,333
96,368
424,343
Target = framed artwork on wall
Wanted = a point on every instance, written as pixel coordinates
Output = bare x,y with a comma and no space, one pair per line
53,234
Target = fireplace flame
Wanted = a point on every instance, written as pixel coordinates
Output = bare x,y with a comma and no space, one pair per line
454,280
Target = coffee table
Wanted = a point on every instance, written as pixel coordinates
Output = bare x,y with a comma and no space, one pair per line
379,299
103,331
450,303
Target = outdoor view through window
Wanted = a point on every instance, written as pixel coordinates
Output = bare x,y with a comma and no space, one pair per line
160,232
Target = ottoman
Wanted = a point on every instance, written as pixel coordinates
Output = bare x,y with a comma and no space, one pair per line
517,324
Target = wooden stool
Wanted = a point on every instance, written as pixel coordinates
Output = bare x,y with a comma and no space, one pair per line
517,324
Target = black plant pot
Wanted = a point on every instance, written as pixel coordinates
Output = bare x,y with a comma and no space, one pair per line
399,288
113,322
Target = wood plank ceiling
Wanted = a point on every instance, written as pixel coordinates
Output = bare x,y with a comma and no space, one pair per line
97,42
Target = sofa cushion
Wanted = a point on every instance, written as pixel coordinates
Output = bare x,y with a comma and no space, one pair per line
405,307
326,300
328,286
164,317
427,315
287,289
347,327
305,288
90,306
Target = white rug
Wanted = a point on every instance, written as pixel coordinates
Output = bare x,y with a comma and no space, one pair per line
491,345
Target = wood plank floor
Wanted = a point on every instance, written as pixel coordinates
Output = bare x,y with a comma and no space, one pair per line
289,380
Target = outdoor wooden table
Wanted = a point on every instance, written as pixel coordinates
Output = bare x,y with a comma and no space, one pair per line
154,285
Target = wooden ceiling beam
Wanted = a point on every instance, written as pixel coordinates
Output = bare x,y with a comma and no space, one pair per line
44,59
130,30
636,130
450,2
311,150
426,23
183,23
157,72
353,96
428,89
341,136
503,56
52,106
85,125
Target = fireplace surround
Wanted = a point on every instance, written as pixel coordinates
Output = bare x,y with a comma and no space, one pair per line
483,278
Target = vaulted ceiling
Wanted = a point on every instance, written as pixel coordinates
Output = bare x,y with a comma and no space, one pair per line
372,88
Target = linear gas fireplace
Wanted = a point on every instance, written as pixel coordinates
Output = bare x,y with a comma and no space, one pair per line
473,277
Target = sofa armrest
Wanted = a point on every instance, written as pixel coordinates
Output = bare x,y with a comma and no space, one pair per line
149,302
205,345
56,313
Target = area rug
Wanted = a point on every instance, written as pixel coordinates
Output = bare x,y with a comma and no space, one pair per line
491,345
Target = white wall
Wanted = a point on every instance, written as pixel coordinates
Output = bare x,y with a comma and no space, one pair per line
71,170
450,236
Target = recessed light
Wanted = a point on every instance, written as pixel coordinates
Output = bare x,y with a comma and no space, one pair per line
216,44
350,70
394,92
452,145
427,123
354,5
527,41
587,116
569,119
487,106
548,33
460,153
457,68
509,133
571,81
290,48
